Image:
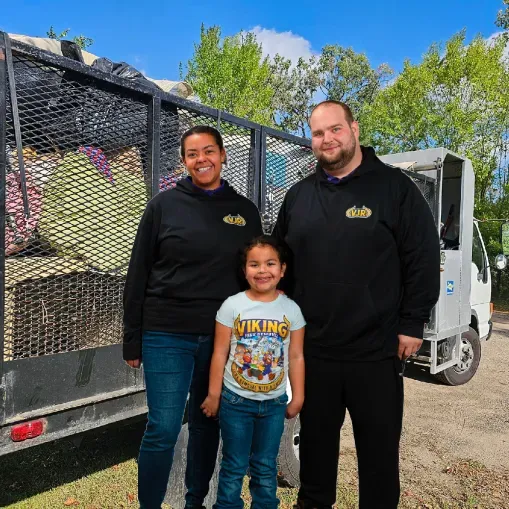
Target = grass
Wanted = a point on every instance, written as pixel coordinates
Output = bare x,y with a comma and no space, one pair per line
101,473
501,304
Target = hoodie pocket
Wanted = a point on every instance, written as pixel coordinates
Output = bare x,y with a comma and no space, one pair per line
345,310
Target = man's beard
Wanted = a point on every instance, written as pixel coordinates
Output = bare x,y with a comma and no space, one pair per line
346,154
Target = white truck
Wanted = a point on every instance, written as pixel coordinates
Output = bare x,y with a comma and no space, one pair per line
462,317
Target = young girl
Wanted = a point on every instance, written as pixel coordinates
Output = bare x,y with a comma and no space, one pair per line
259,337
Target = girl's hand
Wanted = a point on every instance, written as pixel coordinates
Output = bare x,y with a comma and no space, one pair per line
136,363
210,406
293,408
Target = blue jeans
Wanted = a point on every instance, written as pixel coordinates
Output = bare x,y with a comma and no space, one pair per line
176,365
251,432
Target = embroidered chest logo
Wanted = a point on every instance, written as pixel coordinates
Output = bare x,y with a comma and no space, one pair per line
237,220
358,212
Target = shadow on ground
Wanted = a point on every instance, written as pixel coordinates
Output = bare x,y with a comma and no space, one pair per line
28,472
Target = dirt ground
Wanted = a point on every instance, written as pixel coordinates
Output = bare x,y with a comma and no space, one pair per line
455,445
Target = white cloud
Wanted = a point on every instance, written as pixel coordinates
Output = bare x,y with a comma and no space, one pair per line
139,64
286,44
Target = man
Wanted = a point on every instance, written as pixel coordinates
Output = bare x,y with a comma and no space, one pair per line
366,273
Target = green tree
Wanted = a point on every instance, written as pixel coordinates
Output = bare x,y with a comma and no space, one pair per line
347,76
294,91
503,17
81,40
337,73
457,98
232,75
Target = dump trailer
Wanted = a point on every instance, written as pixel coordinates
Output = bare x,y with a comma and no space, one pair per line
81,153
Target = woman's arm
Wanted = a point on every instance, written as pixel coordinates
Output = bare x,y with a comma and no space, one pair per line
140,266
296,372
222,341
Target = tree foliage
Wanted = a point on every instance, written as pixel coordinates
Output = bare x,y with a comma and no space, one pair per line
232,75
337,73
81,40
455,98
503,17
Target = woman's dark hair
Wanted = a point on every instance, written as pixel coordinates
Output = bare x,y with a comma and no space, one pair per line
201,129
263,240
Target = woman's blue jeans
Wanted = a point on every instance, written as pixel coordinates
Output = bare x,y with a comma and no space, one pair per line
176,365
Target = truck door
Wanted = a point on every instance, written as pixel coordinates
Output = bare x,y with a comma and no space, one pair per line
480,294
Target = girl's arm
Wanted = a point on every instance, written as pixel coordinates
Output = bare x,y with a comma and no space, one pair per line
296,372
222,340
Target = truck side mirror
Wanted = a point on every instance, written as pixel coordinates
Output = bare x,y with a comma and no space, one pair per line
501,262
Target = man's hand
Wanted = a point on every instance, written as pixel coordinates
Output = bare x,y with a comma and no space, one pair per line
210,406
408,346
136,363
293,408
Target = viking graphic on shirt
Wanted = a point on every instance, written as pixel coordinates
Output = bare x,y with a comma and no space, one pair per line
258,364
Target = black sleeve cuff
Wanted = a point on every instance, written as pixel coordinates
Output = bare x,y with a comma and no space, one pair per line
412,328
131,348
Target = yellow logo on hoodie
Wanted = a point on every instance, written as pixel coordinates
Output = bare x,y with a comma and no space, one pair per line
358,212
237,220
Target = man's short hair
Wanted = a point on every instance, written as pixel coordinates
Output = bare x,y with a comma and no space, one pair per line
345,107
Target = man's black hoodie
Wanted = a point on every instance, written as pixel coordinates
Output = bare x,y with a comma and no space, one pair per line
184,260
365,260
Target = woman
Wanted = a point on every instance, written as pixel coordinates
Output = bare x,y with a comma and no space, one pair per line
183,266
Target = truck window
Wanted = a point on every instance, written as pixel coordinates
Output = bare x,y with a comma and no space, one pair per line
478,252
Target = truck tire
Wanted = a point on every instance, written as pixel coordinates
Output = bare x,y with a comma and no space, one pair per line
470,358
288,459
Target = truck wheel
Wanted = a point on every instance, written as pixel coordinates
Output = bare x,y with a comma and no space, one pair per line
470,356
288,459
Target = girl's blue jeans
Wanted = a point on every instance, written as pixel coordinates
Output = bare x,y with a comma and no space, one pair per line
251,432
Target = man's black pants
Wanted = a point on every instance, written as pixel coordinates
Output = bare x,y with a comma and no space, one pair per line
373,394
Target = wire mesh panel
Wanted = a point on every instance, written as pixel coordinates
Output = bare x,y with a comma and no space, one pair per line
427,187
287,160
78,177
72,218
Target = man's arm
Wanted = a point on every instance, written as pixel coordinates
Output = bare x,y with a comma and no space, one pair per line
279,233
419,252
296,372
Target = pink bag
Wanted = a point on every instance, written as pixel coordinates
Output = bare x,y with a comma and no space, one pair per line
18,228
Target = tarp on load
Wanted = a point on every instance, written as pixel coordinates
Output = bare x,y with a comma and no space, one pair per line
91,212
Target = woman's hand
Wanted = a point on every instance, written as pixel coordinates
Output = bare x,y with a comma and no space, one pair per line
210,406
293,408
135,363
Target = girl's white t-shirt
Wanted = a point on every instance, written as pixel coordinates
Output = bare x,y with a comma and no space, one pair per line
257,366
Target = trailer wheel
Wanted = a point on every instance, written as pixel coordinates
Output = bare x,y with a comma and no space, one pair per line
470,357
288,459
176,491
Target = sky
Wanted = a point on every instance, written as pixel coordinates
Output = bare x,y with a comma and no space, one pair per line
155,35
